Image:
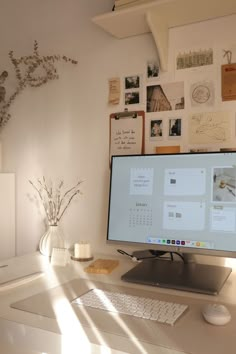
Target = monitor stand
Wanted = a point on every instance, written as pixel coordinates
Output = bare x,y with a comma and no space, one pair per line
195,277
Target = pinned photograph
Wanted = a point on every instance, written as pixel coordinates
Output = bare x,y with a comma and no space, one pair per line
132,89
166,97
152,69
132,97
156,128
132,82
175,127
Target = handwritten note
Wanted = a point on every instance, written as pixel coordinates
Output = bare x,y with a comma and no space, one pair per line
126,136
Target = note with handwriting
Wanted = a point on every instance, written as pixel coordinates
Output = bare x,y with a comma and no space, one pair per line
126,136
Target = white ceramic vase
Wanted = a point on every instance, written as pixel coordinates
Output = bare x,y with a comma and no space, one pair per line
52,238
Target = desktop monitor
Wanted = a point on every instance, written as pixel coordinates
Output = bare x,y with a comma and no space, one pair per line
183,203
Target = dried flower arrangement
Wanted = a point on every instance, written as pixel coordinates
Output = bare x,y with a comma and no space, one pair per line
54,200
32,70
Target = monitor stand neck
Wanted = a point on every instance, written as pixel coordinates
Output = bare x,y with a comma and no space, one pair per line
188,258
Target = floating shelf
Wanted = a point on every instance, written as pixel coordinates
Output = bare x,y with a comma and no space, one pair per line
160,15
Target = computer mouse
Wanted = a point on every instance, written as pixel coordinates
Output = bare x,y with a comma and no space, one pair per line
216,314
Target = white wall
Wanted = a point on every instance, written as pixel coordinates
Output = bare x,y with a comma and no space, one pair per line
61,130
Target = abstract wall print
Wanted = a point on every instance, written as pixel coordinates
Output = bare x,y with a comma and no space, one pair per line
175,125
132,89
194,58
156,128
165,97
202,93
209,127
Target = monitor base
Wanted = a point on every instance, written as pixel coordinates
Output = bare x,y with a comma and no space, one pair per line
194,277
148,253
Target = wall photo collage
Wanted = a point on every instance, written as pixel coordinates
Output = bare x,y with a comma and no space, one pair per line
187,111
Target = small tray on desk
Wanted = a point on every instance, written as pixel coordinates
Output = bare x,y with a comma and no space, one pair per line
102,266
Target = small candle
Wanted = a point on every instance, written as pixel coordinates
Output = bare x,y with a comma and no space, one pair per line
82,250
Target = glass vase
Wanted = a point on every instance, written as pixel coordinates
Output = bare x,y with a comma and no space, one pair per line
51,239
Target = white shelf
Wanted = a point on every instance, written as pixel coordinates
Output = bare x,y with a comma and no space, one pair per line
160,15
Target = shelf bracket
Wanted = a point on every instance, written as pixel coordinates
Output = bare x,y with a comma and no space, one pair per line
160,15
159,30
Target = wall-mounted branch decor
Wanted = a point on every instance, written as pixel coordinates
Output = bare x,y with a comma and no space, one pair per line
30,71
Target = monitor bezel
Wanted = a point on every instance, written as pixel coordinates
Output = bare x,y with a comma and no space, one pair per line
167,248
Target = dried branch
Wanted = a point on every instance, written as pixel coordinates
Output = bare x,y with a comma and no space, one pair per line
68,203
27,69
54,202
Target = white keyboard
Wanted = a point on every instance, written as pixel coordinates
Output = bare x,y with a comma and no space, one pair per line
146,308
20,281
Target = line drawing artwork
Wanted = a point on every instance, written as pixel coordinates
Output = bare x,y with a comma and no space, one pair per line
194,58
210,127
202,93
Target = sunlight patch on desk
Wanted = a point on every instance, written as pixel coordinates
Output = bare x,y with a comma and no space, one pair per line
95,327
117,319
71,329
230,262
112,311
104,348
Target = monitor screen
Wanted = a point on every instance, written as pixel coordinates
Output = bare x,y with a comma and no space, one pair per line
175,202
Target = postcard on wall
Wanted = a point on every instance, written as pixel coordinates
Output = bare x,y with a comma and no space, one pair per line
228,82
209,127
165,97
132,89
202,93
114,91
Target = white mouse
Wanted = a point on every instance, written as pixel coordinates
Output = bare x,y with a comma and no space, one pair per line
216,314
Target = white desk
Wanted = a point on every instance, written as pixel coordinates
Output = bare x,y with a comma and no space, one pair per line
31,333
